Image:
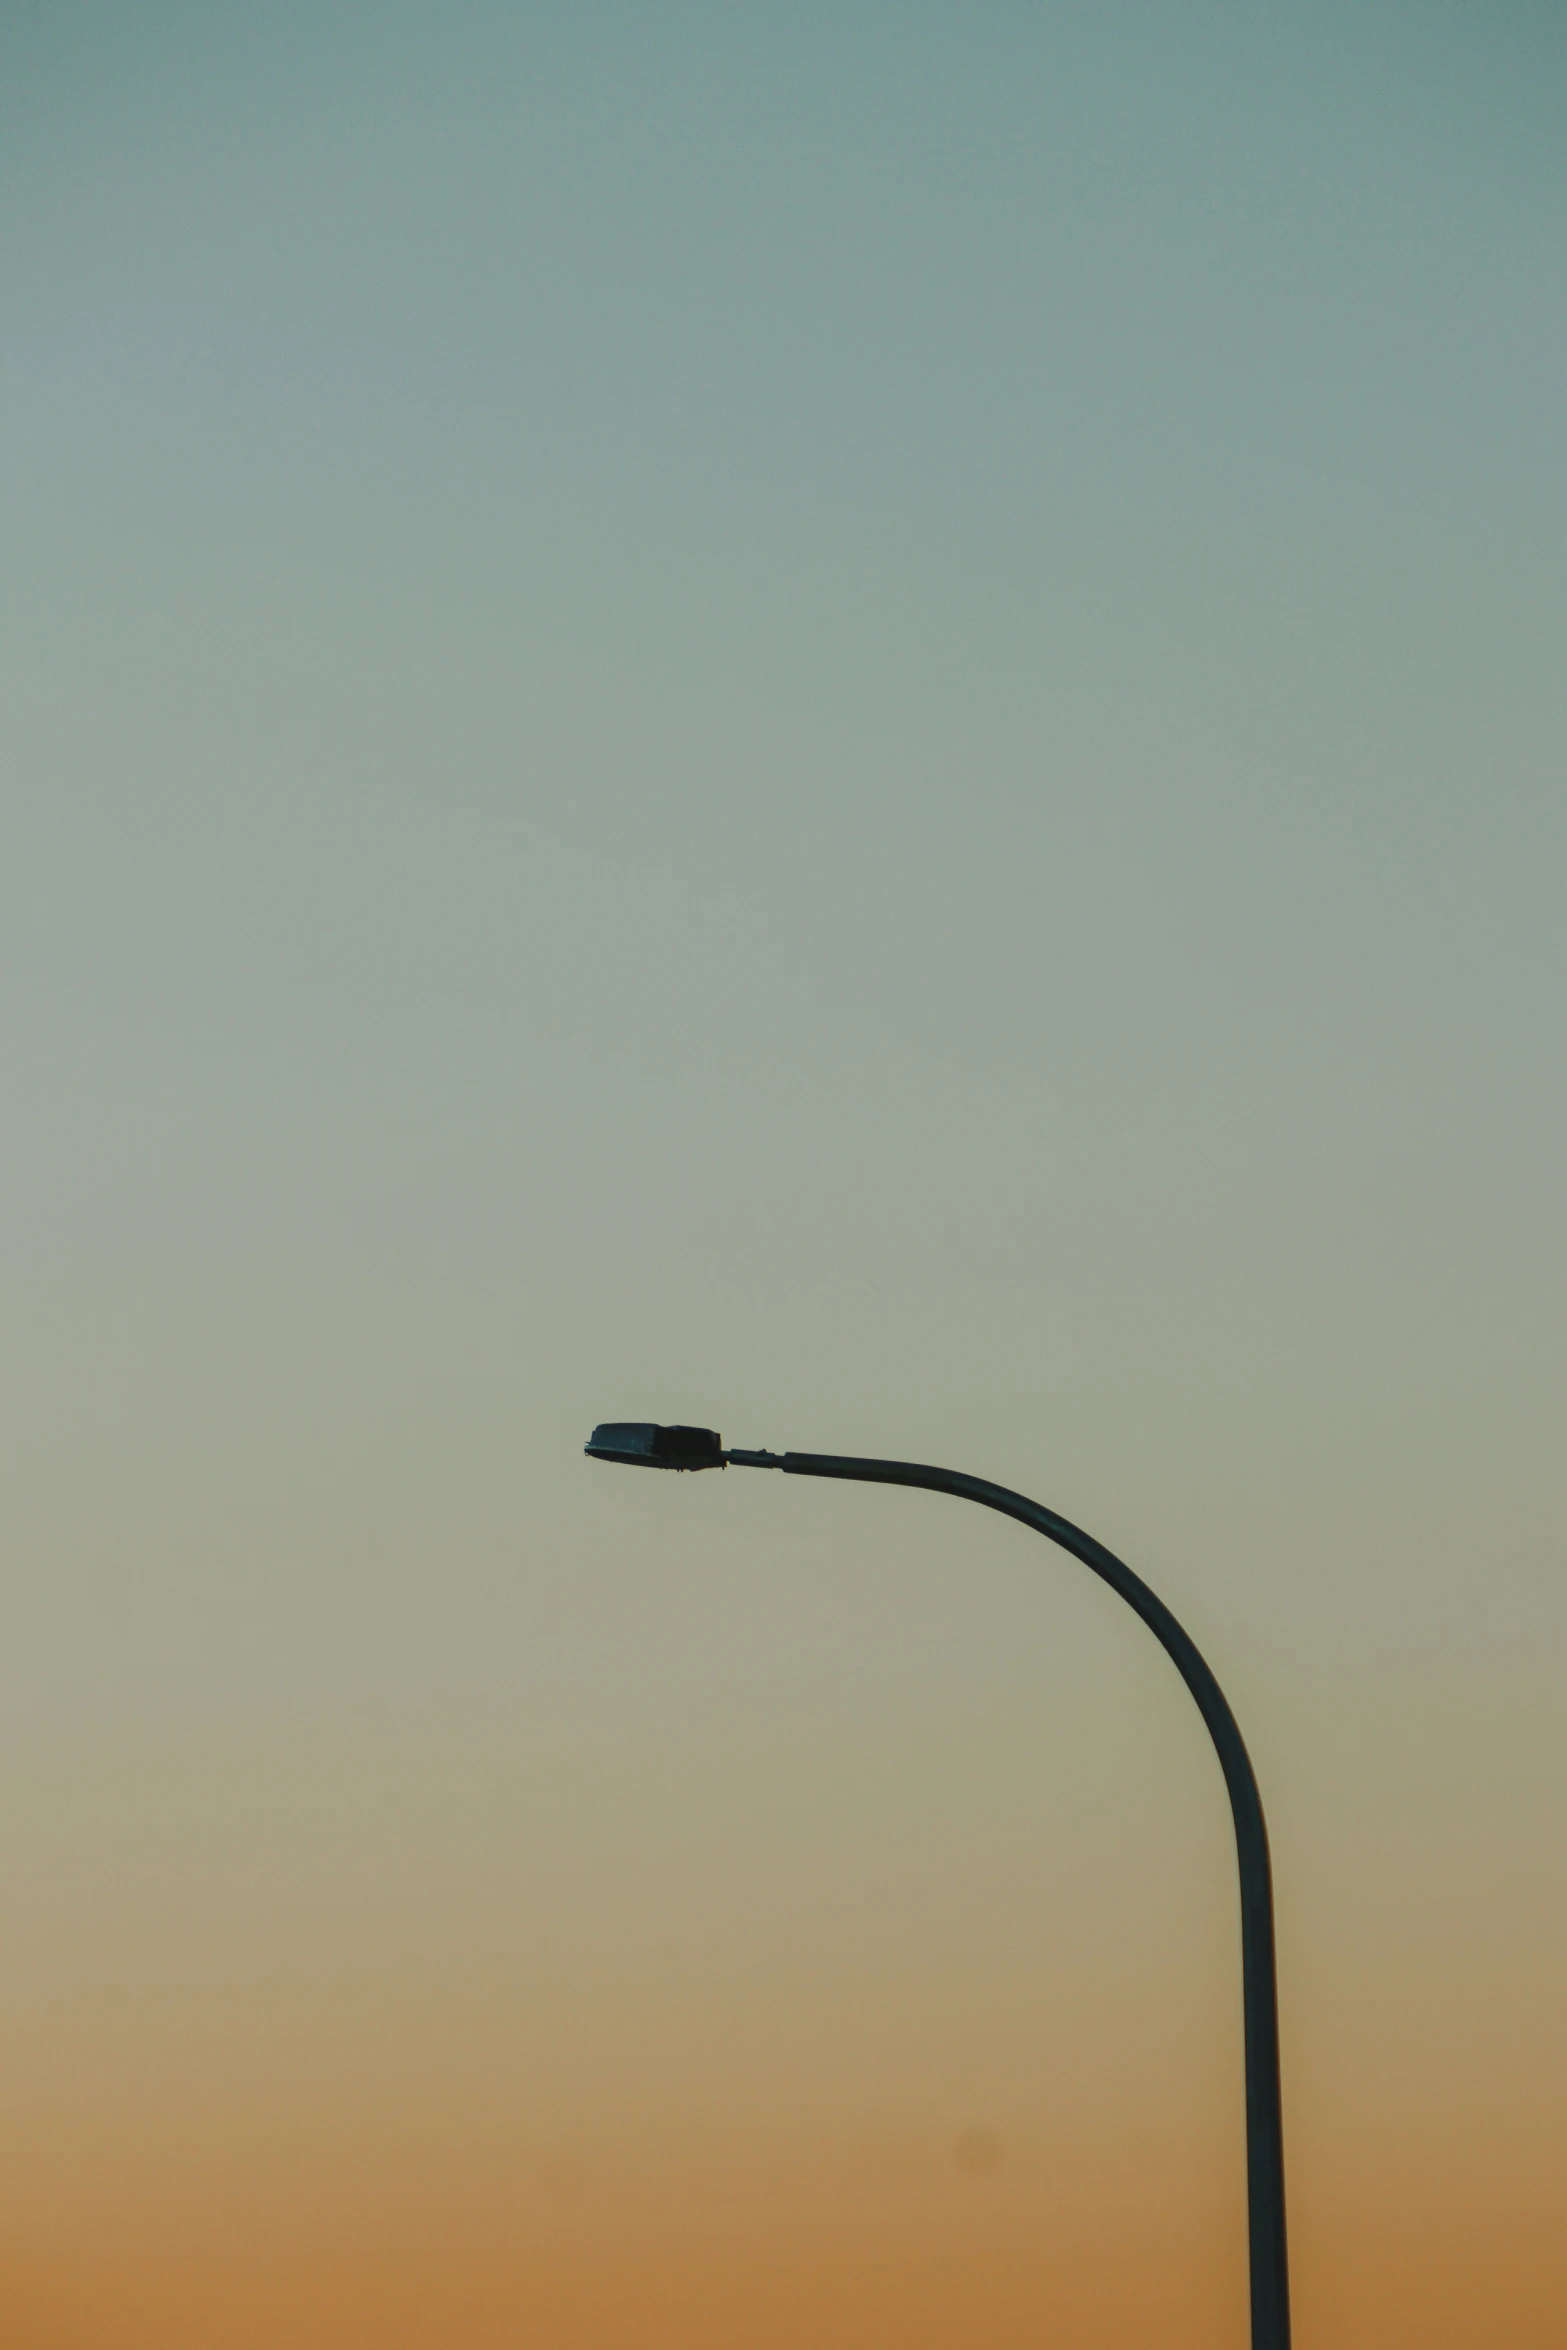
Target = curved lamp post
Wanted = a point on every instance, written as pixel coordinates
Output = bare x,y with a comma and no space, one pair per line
641,1444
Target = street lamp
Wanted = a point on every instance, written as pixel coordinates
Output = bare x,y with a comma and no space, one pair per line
642,1444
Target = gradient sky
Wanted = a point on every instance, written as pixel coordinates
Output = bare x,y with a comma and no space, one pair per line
848,722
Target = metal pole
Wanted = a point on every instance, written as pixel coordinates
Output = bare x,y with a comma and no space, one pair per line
1270,2312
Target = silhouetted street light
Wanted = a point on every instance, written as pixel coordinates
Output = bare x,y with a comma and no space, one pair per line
641,1444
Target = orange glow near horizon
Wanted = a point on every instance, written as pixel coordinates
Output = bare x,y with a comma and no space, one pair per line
570,2258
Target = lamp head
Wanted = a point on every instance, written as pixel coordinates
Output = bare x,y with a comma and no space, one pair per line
641,1444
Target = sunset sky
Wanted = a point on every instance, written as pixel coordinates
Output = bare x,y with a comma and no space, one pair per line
846,722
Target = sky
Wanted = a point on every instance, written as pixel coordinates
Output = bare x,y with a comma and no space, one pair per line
846,723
